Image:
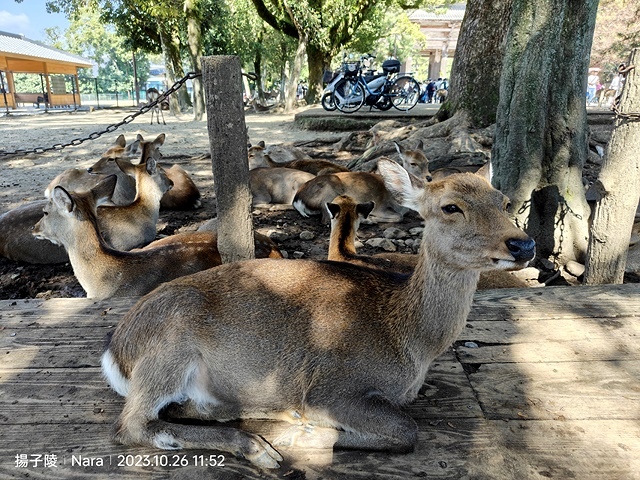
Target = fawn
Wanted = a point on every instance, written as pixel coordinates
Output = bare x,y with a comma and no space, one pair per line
335,347
345,220
70,220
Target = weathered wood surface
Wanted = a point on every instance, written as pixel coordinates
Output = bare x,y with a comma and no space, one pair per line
543,383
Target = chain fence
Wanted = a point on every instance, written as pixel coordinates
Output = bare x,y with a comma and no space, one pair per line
111,128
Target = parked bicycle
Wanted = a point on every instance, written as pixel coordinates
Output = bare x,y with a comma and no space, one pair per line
381,91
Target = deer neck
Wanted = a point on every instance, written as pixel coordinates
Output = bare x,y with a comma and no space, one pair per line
89,257
342,242
148,196
435,304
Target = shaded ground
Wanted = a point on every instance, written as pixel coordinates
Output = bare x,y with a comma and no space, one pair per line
24,178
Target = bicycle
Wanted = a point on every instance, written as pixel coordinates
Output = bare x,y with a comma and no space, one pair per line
381,91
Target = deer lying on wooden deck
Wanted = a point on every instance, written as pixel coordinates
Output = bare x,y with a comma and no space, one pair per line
259,157
70,220
335,347
345,220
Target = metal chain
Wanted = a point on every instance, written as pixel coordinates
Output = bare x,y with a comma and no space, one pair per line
111,128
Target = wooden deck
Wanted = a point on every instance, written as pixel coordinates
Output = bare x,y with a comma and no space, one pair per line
552,390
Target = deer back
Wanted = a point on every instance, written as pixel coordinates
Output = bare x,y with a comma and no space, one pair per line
276,185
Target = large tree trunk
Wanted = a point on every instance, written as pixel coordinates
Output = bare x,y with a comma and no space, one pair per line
619,188
541,132
222,77
194,36
475,73
294,78
171,51
317,60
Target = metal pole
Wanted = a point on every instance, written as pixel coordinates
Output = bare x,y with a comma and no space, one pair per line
4,92
44,94
135,79
73,92
97,95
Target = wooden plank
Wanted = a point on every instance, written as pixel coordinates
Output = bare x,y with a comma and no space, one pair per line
599,349
557,302
80,395
567,390
551,330
444,450
585,450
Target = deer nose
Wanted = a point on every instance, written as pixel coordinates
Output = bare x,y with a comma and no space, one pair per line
428,178
522,250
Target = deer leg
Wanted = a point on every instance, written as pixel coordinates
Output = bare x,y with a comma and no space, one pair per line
369,423
151,389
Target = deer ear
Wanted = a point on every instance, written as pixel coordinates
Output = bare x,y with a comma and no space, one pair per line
262,144
133,149
120,141
125,165
152,166
103,191
159,139
334,209
398,147
365,209
404,187
62,199
420,145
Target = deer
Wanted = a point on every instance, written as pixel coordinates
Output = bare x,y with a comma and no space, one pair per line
312,197
83,180
70,220
133,225
335,349
184,194
346,216
414,160
276,185
18,244
259,157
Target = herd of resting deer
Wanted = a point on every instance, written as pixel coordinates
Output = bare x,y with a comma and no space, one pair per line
335,347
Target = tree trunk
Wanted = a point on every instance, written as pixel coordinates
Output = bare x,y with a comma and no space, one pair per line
317,60
619,186
294,78
173,63
475,73
222,77
541,131
194,36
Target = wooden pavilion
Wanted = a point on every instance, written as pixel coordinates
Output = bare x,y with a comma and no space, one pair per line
21,55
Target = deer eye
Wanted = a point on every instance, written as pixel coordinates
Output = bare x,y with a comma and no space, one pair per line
450,209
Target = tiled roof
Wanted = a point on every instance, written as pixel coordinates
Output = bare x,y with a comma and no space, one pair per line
12,44
454,13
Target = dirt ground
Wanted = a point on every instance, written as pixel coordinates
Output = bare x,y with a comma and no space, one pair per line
25,177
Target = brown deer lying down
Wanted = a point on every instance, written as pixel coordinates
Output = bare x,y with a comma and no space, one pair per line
313,196
276,185
83,180
337,348
345,220
70,220
17,242
258,157
133,225
183,196
414,160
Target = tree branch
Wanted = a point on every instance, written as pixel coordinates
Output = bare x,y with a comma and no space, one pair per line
281,26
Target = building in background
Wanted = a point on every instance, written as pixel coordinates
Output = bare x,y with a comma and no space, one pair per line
441,29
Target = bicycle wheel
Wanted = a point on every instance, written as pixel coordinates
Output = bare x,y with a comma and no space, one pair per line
404,93
348,95
327,102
